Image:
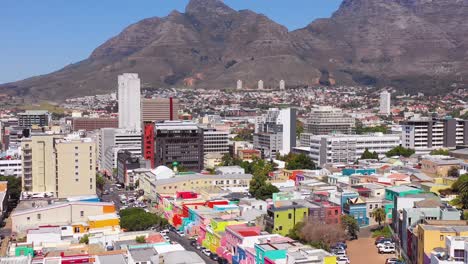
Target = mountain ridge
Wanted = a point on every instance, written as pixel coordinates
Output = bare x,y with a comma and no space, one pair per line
408,44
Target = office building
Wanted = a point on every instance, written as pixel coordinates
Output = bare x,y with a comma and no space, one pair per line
326,120
282,85
349,148
91,124
180,142
239,84
215,141
426,134
385,103
129,101
11,167
159,109
113,140
126,163
64,166
31,118
275,132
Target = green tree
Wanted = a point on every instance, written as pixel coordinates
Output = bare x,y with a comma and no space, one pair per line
84,239
259,187
299,128
13,185
295,232
100,182
369,155
400,151
361,129
136,219
350,225
140,239
299,161
443,152
379,215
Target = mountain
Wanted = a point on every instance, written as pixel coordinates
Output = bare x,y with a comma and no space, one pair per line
414,45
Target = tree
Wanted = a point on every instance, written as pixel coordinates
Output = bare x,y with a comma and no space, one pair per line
443,152
379,215
136,219
13,185
84,239
400,151
259,188
322,236
266,191
369,155
453,172
299,128
350,225
140,239
100,182
295,232
299,161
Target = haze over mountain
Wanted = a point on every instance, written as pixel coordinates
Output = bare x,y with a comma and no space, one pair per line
414,45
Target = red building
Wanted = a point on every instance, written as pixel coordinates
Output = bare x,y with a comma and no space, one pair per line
324,212
148,142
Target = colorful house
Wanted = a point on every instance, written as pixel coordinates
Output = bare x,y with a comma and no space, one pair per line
215,231
274,250
281,219
400,191
357,208
324,212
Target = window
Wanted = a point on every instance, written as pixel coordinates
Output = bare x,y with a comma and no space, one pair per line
90,179
277,215
280,227
76,167
289,216
64,228
336,212
76,180
441,237
370,206
38,216
76,148
28,218
81,213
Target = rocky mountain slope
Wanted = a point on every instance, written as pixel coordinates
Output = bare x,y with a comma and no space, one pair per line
415,45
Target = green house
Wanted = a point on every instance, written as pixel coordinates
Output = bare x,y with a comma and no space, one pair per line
281,219
400,191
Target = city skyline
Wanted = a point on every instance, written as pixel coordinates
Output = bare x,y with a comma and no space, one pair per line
66,33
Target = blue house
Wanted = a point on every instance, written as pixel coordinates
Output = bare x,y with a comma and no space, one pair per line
357,208
345,195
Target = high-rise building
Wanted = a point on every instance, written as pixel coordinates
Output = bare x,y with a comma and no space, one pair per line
326,120
180,142
159,109
129,101
282,85
239,84
113,140
385,103
64,166
215,141
275,132
348,148
31,118
260,85
426,134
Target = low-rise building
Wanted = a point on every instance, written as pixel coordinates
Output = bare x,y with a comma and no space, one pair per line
439,166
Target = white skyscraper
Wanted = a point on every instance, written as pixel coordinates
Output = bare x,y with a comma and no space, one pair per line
260,85
239,84
287,118
129,101
282,85
385,103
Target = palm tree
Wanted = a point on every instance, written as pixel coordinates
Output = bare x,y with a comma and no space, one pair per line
379,215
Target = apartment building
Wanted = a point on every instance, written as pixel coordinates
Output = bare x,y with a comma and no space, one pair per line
11,167
326,120
64,166
426,134
113,140
348,148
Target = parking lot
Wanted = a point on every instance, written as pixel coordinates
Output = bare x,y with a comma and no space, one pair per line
363,250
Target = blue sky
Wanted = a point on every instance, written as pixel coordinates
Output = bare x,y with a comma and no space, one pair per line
38,37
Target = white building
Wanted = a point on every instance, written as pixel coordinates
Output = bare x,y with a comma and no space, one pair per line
12,167
129,101
385,103
260,85
239,84
215,141
348,148
111,141
282,85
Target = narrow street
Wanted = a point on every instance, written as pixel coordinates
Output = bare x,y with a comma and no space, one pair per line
186,244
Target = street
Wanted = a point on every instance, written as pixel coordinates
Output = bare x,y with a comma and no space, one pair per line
186,244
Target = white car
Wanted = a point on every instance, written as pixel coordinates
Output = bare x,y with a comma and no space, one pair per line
387,249
342,260
385,244
181,233
340,253
206,252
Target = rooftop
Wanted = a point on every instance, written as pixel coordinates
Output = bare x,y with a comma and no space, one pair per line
142,254
182,257
112,259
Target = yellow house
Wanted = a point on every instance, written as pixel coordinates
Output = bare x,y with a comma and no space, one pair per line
432,235
213,233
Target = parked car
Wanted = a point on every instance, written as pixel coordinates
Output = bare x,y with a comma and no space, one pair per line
387,250
380,240
214,256
339,253
384,244
341,245
342,260
222,261
392,261
206,252
181,233
164,231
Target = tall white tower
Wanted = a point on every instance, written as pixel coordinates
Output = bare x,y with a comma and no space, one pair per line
260,85
239,84
129,101
287,118
282,85
385,103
